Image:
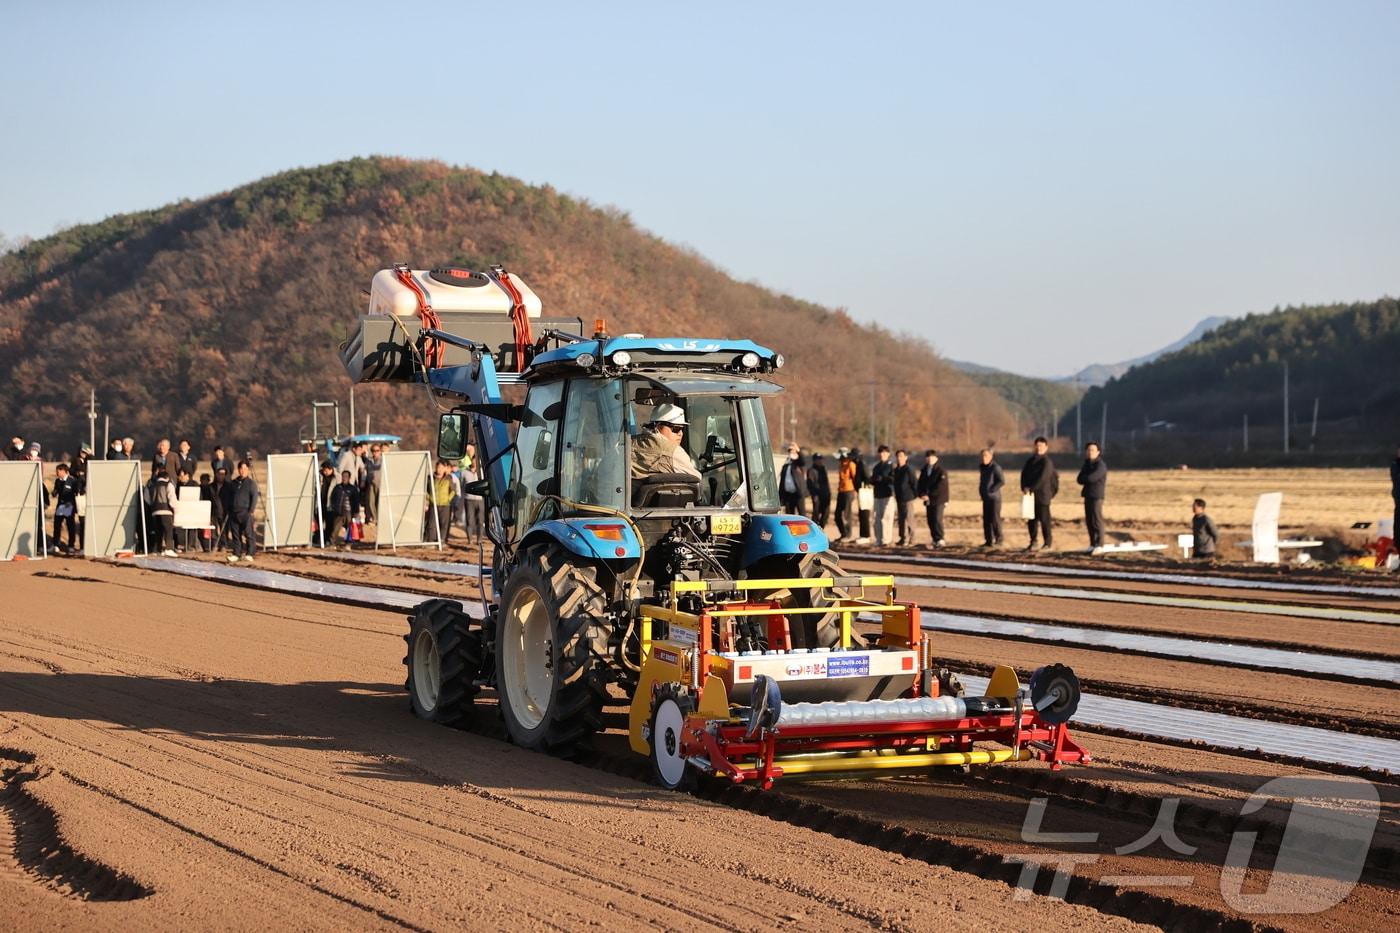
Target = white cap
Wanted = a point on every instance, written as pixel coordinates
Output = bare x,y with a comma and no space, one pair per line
669,414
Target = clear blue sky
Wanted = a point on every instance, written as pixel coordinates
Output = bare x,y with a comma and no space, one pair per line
1036,186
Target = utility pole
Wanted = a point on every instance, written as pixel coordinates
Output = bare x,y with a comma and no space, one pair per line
1285,406
1316,400
352,413
1103,427
1078,420
871,449
106,435
1054,423
92,421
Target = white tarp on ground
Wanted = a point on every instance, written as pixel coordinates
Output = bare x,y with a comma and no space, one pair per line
403,498
21,510
293,504
115,515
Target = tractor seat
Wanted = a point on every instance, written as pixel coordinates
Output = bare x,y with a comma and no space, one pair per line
665,491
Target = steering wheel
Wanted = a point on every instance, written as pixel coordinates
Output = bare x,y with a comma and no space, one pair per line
712,458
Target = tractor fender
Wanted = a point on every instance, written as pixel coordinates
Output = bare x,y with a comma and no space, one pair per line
593,538
770,535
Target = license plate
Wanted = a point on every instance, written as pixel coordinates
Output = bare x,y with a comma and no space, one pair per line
726,524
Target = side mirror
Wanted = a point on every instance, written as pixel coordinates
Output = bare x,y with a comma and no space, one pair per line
452,438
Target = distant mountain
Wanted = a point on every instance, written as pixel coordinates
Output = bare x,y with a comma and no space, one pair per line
1037,403
219,319
1099,373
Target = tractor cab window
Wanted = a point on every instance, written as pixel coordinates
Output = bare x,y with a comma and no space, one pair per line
758,453
593,466
713,445
532,471
720,441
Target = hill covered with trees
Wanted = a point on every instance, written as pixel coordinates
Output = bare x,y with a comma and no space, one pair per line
1037,403
220,318
1341,360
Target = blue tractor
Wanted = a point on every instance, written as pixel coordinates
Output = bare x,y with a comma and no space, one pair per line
641,557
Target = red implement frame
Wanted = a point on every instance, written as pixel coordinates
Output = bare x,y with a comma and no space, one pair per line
729,752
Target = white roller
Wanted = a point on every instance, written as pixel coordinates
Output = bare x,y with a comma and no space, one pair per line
855,712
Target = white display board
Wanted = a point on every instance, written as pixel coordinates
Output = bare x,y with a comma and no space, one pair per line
293,503
21,510
1265,529
116,519
404,478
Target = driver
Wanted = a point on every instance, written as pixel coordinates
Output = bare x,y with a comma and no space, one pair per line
657,449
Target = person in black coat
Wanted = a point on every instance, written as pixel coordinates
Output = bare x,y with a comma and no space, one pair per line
345,505
819,488
1395,494
933,489
66,489
240,499
904,484
219,462
990,479
218,508
1039,479
1093,476
185,459
1204,537
792,483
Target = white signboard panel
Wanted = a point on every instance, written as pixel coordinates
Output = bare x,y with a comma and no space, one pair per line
115,517
403,497
21,510
1265,530
293,500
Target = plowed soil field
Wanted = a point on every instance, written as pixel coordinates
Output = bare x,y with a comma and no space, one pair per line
179,752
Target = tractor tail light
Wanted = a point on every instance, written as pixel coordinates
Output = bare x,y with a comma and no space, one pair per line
606,532
798,528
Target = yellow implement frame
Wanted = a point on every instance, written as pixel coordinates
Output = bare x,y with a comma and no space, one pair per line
847,607
674,659
873,761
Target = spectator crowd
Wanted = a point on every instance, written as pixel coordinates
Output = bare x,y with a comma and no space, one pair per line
349,497
874,503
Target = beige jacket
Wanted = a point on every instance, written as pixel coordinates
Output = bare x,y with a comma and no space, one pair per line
652,454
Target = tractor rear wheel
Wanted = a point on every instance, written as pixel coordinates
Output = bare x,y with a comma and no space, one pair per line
817,630
551,652
445,658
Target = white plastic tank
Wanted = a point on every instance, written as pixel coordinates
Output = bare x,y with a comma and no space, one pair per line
450,288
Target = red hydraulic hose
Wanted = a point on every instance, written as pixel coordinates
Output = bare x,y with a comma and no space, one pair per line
432,349
524,336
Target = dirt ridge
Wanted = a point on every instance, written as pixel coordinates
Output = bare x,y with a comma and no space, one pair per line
34,846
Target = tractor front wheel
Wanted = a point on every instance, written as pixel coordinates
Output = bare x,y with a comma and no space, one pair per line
551,653
445,657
